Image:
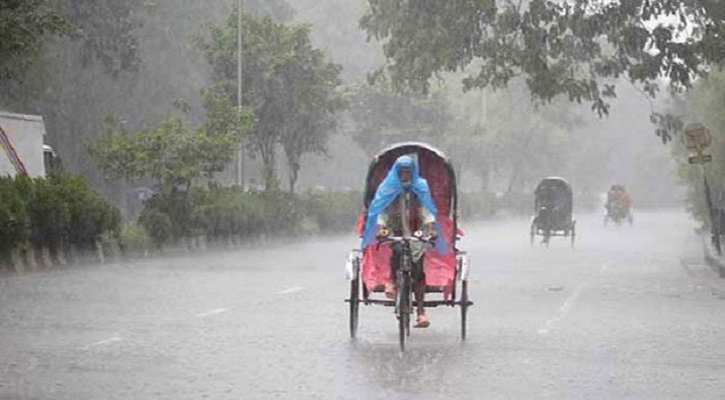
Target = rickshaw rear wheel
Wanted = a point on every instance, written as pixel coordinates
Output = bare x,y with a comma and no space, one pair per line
464,308
354,305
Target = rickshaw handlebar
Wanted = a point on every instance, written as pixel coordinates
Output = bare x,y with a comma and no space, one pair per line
402,239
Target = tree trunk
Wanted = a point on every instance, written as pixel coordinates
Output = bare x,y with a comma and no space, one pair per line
293,176
268,166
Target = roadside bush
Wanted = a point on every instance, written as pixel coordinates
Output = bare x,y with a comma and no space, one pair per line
110,245
224,213
169,216
157,224
333,211
134,241
52,212
282,211
89,214
14,221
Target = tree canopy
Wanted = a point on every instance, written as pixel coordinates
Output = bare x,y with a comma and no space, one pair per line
103,29
381,117
576,49
290,86
170,153
23,24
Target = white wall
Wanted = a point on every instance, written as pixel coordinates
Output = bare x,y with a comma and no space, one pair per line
26,133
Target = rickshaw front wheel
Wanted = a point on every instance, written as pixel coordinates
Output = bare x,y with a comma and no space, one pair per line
403,308
354,305
464,308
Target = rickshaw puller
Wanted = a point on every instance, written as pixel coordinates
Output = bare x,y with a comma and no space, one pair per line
401,190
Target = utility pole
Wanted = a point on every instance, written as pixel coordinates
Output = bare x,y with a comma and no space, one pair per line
240,155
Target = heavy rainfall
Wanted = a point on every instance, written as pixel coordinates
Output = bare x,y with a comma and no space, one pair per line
356,199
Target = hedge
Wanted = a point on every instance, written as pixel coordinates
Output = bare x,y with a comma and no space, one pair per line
54,212
221,214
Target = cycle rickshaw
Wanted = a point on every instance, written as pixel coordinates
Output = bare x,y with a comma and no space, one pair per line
553,207
446,274
618,207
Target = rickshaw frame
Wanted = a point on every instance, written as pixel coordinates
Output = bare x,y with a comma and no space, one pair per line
359,293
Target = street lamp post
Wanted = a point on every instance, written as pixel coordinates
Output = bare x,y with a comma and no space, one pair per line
697,138
240,155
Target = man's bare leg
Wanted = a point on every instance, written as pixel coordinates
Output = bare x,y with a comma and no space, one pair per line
419,289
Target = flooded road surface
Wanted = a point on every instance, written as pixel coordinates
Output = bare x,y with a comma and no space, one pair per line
629,313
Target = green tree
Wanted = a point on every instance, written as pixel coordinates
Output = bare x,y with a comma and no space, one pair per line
102,31
107,32
381,117
289,85
573,49
23,26
171,154
311,82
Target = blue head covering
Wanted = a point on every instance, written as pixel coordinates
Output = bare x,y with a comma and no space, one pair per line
390,188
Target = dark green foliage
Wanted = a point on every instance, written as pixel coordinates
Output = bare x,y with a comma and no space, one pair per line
560,48
134,240
333,211
290,86
222,213
382,117
23,26
157,223
107,32
14,221
103,29
61,209
90,214
171,153
50,211
225,212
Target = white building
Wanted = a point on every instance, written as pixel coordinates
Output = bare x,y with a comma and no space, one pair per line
21,144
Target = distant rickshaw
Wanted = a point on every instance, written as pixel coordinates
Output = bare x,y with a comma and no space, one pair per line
553,207
619,206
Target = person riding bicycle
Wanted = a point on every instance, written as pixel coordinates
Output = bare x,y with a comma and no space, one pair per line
404,207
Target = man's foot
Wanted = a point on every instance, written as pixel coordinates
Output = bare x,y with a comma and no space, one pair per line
390,290
423,321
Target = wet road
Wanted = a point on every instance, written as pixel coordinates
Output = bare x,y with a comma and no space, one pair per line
630,313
